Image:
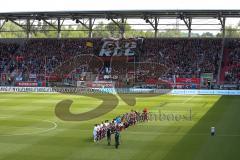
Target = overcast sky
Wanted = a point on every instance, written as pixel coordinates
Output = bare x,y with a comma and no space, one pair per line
66,5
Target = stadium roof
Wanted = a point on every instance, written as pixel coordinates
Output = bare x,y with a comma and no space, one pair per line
25,20
123,14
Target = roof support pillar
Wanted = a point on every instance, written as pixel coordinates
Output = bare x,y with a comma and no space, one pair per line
90,28
28,29
154,23
188,23
121,26
156,28
2,24
59,28
190,28
222,22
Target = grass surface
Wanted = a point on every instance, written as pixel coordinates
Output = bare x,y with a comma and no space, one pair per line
29,129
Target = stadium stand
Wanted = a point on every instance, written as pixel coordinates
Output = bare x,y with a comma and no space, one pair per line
56,59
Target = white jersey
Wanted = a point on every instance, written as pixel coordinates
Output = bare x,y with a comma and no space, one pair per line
212,129
95,133
106,124
95,130
98,128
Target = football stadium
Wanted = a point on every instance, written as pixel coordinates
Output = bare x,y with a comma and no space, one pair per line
120,85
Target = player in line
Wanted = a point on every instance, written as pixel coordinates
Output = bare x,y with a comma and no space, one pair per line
120,123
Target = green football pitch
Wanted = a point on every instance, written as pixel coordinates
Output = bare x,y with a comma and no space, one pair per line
30,130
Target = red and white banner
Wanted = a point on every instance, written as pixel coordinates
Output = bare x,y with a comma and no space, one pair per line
188,80
27,84
110,77
100,84
151,81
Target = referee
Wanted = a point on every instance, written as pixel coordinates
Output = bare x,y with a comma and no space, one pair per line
117,139
213,131
109,136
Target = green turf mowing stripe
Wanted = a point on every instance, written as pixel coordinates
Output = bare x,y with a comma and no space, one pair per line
223,116
153,140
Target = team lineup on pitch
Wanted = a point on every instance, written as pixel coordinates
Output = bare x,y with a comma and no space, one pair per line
32,128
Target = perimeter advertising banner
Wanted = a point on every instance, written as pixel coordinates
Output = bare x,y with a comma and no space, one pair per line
118,90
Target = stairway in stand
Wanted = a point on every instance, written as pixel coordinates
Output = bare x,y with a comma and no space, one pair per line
225,66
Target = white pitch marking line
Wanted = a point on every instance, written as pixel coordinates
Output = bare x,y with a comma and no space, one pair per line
38,132
185,134
188,99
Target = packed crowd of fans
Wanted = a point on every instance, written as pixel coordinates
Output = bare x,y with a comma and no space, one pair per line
156,58
231,66
41,56
184,57
7,57
232,76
